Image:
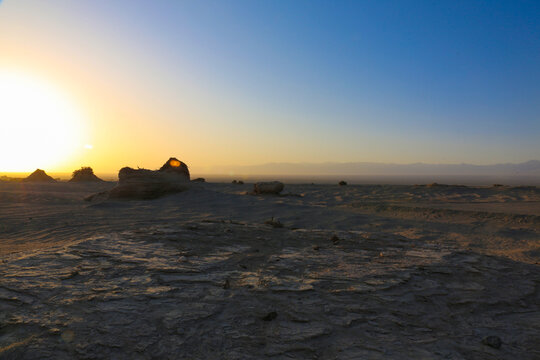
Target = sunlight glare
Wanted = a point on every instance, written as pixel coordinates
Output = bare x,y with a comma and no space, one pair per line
39,125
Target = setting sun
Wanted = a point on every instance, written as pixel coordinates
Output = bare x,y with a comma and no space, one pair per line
40,125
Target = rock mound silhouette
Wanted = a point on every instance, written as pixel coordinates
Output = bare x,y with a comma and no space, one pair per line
38,176
84,174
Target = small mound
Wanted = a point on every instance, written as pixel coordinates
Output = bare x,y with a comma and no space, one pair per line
84,174
39,176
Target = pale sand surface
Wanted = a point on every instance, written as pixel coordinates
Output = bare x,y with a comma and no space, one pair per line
418,273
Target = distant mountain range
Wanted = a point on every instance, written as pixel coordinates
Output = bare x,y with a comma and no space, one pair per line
526,169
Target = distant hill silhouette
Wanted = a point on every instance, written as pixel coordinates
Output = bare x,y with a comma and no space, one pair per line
529,168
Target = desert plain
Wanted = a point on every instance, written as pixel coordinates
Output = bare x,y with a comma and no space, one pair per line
320,271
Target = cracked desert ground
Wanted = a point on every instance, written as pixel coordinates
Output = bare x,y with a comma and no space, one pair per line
355,272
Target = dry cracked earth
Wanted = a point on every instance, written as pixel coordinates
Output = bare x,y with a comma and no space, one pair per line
216,288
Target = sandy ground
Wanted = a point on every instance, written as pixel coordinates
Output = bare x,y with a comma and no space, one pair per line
374,272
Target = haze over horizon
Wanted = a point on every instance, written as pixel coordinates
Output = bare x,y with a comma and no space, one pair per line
130,83
526,173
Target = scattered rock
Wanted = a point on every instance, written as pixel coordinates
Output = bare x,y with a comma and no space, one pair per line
227,285
335,239
84,174
274,223
104,195
240,182
316,247
39,176
234,182
272,187
492,341
270,316
200,179
342,183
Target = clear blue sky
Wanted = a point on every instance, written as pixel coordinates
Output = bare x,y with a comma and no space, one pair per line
383,81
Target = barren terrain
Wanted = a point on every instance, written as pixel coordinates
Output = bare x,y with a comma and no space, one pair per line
321,272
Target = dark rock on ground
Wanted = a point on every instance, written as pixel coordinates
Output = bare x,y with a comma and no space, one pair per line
274,223
270,316
103,195
342,183
271,187
493,341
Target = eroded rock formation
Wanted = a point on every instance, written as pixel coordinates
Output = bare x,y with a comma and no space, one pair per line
172,177
39,176
84,174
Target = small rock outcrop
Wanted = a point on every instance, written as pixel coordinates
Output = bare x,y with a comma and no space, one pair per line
84,174
200,180
342,183
271,187
172,177
173,165
39,176
492,341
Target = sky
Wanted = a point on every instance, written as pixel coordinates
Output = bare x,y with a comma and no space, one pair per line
252,82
